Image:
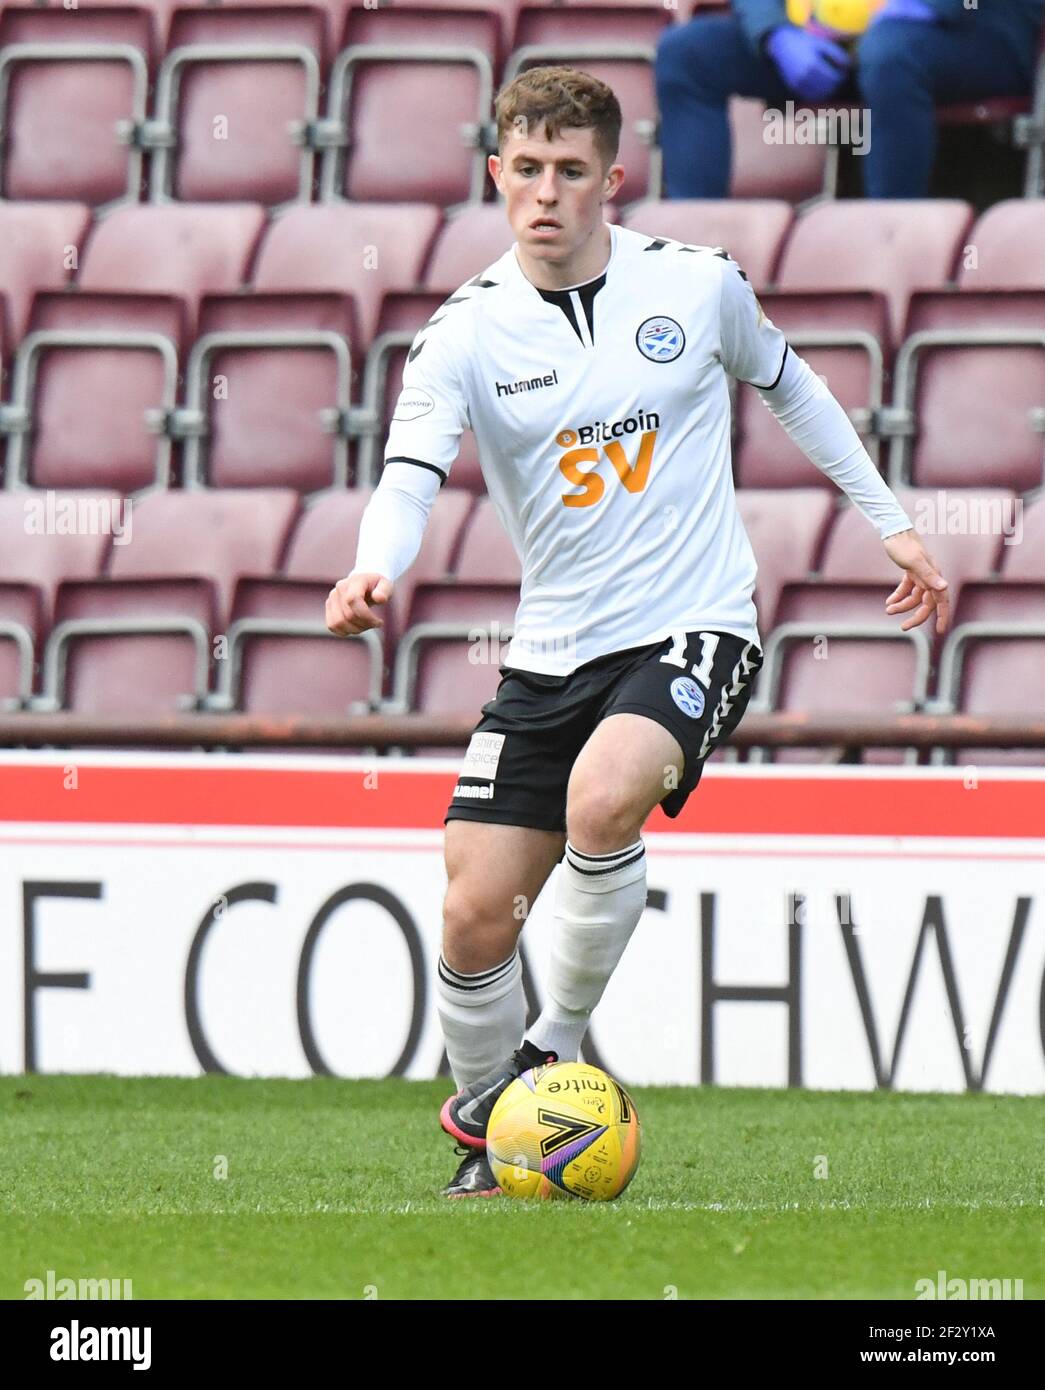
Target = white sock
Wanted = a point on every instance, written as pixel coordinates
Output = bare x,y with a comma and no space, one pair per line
599,899
483,1016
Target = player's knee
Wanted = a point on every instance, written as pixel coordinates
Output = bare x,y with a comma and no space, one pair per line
601,819
887,60
478,932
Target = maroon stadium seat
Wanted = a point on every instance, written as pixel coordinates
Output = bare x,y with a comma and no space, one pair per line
96,380
229,146
36,551
970,380
486,554
63,111
220,535
269,383
417,24
844,338
786,528
130,648
447,662
187,251
323,547
994,663
282,659
21,624
753,233
791,171
854,552
467,244
405,117
1023,557
584,21
348,248
402,315
40,246
895,246
1009,245
834,647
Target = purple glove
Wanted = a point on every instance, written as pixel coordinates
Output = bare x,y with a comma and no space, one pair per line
811,66
906,9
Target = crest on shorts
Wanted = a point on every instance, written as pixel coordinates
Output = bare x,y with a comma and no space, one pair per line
688,695
660,339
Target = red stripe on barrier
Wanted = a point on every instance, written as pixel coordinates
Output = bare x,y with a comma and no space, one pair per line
415,799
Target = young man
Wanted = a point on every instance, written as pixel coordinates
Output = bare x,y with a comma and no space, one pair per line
591,362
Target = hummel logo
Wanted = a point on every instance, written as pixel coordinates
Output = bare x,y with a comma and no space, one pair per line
533,383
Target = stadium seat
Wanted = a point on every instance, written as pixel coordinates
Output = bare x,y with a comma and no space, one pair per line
212,139
402,315
753,233
323,546
1023,555
895,246
845,339
93,386
40,246
1007,248
129,648
184,250
405,119
466,245
43,541
21,623
576,22
960,529
278,629
786,528
969,391
72,82
269,392
791,171
993,663
447,661
484,28
220,536
833,645
365,250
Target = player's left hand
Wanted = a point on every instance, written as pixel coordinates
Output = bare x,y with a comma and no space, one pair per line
923,588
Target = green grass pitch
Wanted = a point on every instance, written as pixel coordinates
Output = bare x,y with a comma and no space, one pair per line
331,1192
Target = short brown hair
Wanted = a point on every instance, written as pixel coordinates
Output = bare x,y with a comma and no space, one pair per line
560,97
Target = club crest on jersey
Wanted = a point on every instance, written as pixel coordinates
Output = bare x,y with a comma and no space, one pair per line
660,339
688,695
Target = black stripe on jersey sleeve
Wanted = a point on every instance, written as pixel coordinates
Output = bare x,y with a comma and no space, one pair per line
776,380
402,458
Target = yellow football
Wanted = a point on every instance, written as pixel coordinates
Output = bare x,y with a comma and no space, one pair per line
564,1130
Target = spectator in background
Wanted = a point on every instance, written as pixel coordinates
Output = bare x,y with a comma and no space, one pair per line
913,55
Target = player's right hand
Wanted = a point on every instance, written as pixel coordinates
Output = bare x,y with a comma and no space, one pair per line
351,604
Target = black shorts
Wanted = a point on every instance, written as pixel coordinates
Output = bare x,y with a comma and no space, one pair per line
523,749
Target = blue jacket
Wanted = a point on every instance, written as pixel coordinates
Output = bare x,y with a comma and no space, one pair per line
1019,20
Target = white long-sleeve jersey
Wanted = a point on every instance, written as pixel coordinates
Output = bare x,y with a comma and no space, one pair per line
602,418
